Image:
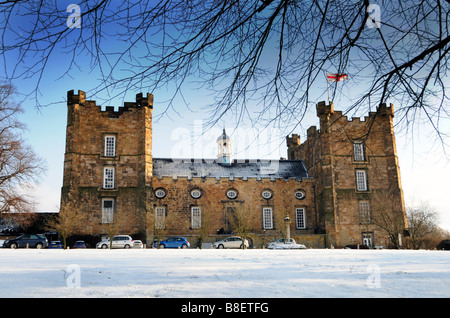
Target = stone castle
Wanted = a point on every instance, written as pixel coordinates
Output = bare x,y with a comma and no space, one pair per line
325,186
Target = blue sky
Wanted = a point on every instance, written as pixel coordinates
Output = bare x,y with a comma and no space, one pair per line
424,169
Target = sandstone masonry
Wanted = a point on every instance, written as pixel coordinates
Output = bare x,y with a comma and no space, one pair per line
116,185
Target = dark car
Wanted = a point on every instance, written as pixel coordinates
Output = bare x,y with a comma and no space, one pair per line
27,240
444,245
79,244
174,242
55,244
357,247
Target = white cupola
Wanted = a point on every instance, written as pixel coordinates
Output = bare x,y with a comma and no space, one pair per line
224,149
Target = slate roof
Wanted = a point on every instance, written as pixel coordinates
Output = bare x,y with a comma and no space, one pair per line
240,168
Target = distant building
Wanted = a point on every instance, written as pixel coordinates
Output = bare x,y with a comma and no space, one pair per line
112,179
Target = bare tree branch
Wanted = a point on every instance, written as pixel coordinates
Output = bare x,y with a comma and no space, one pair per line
263,60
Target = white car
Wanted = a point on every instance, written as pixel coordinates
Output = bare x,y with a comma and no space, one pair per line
138,244
280,240
119,241
230,242
280,244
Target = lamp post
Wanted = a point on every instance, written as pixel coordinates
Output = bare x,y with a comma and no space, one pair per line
287,221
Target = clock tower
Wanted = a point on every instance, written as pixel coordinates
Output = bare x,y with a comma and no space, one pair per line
224,147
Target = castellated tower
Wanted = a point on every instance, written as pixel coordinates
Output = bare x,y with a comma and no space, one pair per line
330,187
356,169
108,164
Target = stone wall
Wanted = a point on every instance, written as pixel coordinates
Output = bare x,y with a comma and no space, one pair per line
328,154
214,203
331,200
85,160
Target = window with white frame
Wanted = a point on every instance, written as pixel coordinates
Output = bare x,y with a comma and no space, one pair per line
196,217
267,218
266,194
300,218
160,217
300,194
196,193
107,211
361,180
110,146
364,212
160,193
358,151
108,178
232,194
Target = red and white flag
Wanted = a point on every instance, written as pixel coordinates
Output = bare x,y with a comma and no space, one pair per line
336,77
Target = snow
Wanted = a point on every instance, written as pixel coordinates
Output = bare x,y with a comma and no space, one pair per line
208,273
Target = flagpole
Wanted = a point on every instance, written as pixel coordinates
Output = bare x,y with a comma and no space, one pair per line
328,87
334,78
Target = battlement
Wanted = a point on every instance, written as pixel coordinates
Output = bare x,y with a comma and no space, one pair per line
76,99
323,109
336,120
328,110
144,101
80,99
311,131
386,111
293,141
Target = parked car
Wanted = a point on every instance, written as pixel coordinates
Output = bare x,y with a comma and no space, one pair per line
138,244
280,240
27,240
55,244
119,241
280,244
79,244
444,245
230,242
357,247
174,242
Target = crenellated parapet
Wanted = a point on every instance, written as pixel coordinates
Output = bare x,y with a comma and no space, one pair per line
76,99
109,111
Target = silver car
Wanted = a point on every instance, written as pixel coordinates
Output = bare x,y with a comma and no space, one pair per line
230,242
280,240
280,244
119,241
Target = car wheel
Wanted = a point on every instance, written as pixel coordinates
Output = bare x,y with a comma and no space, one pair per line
104,246
162,246
184,246
39,245
220,246
127,246
13,246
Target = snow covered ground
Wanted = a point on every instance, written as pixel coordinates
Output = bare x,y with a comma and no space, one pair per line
207,273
